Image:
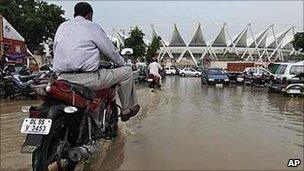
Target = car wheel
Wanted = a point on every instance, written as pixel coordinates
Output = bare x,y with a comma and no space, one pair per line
183,75
172,73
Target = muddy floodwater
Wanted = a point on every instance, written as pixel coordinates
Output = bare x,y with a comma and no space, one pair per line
188,126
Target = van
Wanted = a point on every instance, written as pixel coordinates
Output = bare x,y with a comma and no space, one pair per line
289,70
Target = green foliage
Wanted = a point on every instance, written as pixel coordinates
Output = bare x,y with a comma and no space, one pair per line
298,42
35,20
152,49
136,42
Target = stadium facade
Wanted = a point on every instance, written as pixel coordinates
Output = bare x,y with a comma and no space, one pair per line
267,45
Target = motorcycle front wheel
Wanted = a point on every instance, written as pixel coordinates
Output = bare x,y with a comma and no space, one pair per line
51,153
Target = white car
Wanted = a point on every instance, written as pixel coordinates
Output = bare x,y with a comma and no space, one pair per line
289,70
170,70
189,72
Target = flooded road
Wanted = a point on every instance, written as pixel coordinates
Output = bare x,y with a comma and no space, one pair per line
188,126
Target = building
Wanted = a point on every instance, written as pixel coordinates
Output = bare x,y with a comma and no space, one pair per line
267,45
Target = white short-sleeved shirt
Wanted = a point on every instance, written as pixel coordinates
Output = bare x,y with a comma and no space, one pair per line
154,68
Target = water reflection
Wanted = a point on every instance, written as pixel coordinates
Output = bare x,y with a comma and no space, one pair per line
187,125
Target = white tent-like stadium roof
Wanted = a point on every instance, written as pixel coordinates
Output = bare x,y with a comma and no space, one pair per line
220,39
198,37
271,42
176,38
286,43
258,38
241,39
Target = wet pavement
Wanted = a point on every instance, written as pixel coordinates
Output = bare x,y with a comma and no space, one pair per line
187,125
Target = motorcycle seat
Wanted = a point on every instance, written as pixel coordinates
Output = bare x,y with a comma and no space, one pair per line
78,88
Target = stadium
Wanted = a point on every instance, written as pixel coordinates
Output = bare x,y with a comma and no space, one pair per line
194,42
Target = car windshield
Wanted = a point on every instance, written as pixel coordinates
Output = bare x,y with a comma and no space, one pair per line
273,68
263,71
281,69
297,69
215,72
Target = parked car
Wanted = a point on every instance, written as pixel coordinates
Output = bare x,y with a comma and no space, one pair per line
170,70
214,76
292,87
189,72
289,70
254,76
177,70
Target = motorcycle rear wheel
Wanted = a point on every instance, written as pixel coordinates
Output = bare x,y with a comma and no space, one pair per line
44,157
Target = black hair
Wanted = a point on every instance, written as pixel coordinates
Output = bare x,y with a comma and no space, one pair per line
82,9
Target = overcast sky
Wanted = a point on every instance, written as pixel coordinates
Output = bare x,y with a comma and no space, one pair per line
125,13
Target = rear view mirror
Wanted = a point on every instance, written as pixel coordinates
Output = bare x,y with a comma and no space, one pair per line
127,51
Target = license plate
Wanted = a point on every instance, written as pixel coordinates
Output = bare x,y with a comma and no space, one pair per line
150,79
294,91
219,85
36,126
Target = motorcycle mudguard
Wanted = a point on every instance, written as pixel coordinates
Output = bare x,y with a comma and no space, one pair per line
33,141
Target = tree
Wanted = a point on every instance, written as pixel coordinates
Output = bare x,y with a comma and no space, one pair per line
35,20
152,49
136,42
298,42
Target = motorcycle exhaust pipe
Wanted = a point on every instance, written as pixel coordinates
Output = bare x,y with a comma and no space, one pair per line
78,154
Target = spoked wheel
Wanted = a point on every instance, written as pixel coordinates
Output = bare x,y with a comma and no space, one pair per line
113,120
53,150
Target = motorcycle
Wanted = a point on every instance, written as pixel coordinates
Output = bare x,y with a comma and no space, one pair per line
67,128
153,81
11,85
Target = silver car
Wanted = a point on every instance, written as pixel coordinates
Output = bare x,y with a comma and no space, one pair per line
189,72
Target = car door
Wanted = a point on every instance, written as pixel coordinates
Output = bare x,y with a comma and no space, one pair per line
172,70
192,72
167,70
186,71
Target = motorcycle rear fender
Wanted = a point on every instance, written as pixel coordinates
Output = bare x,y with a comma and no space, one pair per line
33,141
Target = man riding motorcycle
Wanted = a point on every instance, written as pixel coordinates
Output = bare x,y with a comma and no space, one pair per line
154,69
78,45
